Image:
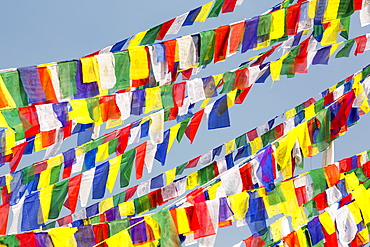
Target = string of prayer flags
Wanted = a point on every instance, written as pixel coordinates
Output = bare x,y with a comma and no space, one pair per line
240,152
82,78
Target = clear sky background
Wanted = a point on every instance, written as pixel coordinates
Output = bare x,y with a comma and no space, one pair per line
36,32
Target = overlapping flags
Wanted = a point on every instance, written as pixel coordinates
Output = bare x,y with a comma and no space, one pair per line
42,105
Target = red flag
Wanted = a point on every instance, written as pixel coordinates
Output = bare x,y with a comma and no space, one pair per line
292,18
130,193
5,196
242,78
27,239
253,134
254,241
193,163
229,6
139,160
201,214
292,239
29,120
109,108
178,93
170,53
332,174
300,63
17,156
192,128
73,191
221,43
237,32
101,233
357,5
4,214
123,139
186,74
321,201
164,29
241,97
48,138
301,194
65,220
361,44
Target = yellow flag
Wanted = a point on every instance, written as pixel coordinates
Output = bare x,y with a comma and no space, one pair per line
256,144
122,239
331,10
106,204
333,48
331,33
102,153
206,8
45,201
312,9
127,208
3,122
327,222
217,78
192,181
88,70
361,195
275,68
63,236
153,99
173,133
291,113
10,141
278,24
80,112
8,179
182,221
353,207
299,218
309,111
137,39
212,191
139,68
113,172
44,180
170,176
54,161
291,203
352,181
231,98
276,229
229,146
239,204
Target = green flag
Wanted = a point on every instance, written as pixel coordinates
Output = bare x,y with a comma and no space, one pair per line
60,192
346,50
216,9
126,167
207,47
67,78
15,87
151,35
122,69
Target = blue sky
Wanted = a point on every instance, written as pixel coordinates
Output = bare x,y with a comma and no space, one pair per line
36,32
